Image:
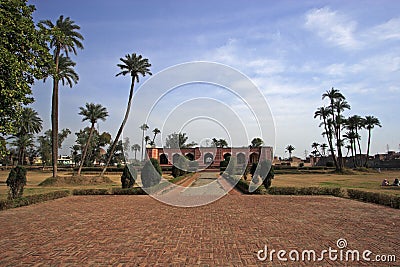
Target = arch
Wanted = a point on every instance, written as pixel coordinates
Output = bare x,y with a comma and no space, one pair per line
241,158
163,159
175,158
253,158
208,158
190,156
227,155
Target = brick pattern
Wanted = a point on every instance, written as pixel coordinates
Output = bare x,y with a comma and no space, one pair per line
140,231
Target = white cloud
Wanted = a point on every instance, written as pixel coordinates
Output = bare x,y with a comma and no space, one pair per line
385,31
333,27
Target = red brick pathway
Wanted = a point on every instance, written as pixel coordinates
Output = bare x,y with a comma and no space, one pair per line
139,231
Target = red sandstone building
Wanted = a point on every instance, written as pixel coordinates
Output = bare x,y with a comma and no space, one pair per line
211,156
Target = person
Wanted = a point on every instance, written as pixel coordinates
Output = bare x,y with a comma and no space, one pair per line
385,182
396,182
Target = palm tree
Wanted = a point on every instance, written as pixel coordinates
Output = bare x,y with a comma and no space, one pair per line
144,127
290,149
355,123
155,131
133,65
147,139
370,123
315,146
64,36
323,148
351,136
92,113
29,123
136,148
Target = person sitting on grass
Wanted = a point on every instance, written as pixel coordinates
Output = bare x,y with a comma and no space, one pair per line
396,182
385,182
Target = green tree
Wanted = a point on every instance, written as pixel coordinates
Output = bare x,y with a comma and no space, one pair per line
315,146
323,149
64,37
256,142
144,127
324,114
178,140
24,57
134,65
370,123
155,131
16,181
290,149
45,147
136,148
92,113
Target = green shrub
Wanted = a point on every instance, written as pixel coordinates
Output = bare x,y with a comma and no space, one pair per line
338,192
33,199
222,165
377,198
180,167
128,191
16,181
128,176
151,175
330,164
90,191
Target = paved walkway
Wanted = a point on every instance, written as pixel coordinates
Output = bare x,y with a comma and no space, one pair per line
139,231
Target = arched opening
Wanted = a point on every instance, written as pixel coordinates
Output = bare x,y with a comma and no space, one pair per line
208,158
190,156
163,159
253,158
227,156
241,158
175,158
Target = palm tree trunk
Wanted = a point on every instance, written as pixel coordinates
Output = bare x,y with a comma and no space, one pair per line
86,149
359,149
54,116
368,147
329,137
121,127
141,158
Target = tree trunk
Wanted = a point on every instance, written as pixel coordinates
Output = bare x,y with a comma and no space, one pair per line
121,127
54,116
86,149
368,147
359,149
141,157
329,137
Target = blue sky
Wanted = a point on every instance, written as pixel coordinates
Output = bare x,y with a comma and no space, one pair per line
292,50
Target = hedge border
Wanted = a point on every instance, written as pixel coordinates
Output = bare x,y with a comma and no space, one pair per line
32,199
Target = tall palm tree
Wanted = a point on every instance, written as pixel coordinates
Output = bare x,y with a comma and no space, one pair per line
351,136
64,37
315,146
92,113
134,65
147,140
144,127
155,131
136,148
370,123
290,149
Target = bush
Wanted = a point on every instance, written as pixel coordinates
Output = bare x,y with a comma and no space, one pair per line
16,181
90,191
181,167
377,198
222,165
128,191
128,176
33,199
151,175
337,192
330,164
231,167
268,179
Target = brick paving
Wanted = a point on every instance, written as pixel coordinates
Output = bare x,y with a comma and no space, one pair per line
140,231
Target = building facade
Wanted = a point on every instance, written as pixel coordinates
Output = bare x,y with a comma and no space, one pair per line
211,156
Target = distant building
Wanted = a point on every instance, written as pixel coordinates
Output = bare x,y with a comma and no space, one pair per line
211,156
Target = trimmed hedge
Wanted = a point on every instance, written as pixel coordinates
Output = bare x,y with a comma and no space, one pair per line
377,198
332,191
32,199
128,191
90,191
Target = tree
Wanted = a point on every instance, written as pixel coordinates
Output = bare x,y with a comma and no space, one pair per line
28,124
16,181
92,113
144,127
133,65
290,149
45,147
315,146
64,37
95,150
219,142
151,173
370,123
136,148
24,57
323,148
155,131
256,142
147,140
178,140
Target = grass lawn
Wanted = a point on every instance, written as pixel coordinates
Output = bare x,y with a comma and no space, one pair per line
366,181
